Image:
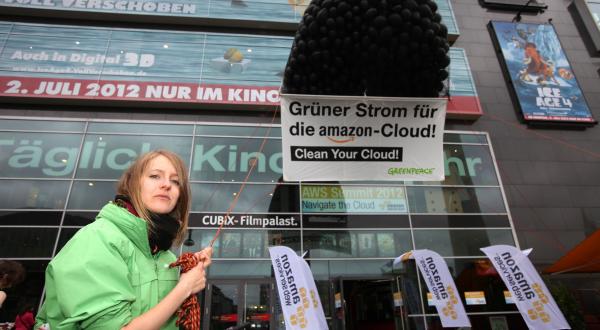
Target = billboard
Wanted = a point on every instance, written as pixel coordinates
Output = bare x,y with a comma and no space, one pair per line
41,61
235,12
540,74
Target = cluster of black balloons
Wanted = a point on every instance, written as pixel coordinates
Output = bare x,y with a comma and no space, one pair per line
369,47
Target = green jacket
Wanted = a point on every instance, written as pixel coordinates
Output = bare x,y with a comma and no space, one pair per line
106,275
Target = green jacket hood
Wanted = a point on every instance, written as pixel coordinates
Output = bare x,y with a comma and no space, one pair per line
132,226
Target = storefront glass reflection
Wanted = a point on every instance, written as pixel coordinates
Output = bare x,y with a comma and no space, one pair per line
31,194
455,200
107,156
257,305
238,244
91,194
38,155
42,125
228,159
27,242
73,172
359,244
225,303
218,197
466,242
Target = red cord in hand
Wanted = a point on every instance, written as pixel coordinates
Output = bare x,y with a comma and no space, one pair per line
188,314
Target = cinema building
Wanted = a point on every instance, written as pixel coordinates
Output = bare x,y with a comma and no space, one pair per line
86,86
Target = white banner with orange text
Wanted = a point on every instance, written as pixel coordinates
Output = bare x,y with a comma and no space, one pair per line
349,138
298,295
528,291
441,286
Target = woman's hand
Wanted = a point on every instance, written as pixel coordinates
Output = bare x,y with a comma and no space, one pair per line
194,280
204,256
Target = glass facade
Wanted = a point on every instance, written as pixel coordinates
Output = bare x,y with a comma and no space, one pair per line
57,174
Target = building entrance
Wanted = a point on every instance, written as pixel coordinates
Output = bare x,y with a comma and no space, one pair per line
368,304
237,303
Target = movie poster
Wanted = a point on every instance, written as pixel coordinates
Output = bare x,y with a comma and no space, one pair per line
540,73
366,245
231,245
252,244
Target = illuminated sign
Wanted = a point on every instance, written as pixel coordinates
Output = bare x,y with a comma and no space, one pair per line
353,199
262,221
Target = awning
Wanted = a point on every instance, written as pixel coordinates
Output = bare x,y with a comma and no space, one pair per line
584,258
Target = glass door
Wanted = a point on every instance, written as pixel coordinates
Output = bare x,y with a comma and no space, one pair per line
257,305
338,318
236,303
369,304
222,305
400,313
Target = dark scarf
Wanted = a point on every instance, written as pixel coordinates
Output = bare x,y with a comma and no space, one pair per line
165,227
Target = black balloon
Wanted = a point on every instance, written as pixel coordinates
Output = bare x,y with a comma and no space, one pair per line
369,47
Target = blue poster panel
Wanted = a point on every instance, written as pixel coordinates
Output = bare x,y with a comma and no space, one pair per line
96,63
276,11
540,73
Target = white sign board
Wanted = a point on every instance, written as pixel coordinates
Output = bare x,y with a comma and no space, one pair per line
349,138
528,291
298,295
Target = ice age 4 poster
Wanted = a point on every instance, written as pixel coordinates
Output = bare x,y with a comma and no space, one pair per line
540,73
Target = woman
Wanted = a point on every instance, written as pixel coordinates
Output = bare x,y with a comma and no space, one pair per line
11,274
114,273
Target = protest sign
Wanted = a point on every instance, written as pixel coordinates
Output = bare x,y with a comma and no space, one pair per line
348,138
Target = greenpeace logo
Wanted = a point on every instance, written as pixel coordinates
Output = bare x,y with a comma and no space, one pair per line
410,170
395,207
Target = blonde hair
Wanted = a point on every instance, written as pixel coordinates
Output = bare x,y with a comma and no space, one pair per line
130,185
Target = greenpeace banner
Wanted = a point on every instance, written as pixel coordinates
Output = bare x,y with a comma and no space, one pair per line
298,295
333,138
441,286
527,289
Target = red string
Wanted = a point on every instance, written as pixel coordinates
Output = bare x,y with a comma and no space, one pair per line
242,148
239,193
188,315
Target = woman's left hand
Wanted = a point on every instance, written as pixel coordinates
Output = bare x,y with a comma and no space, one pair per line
204,256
